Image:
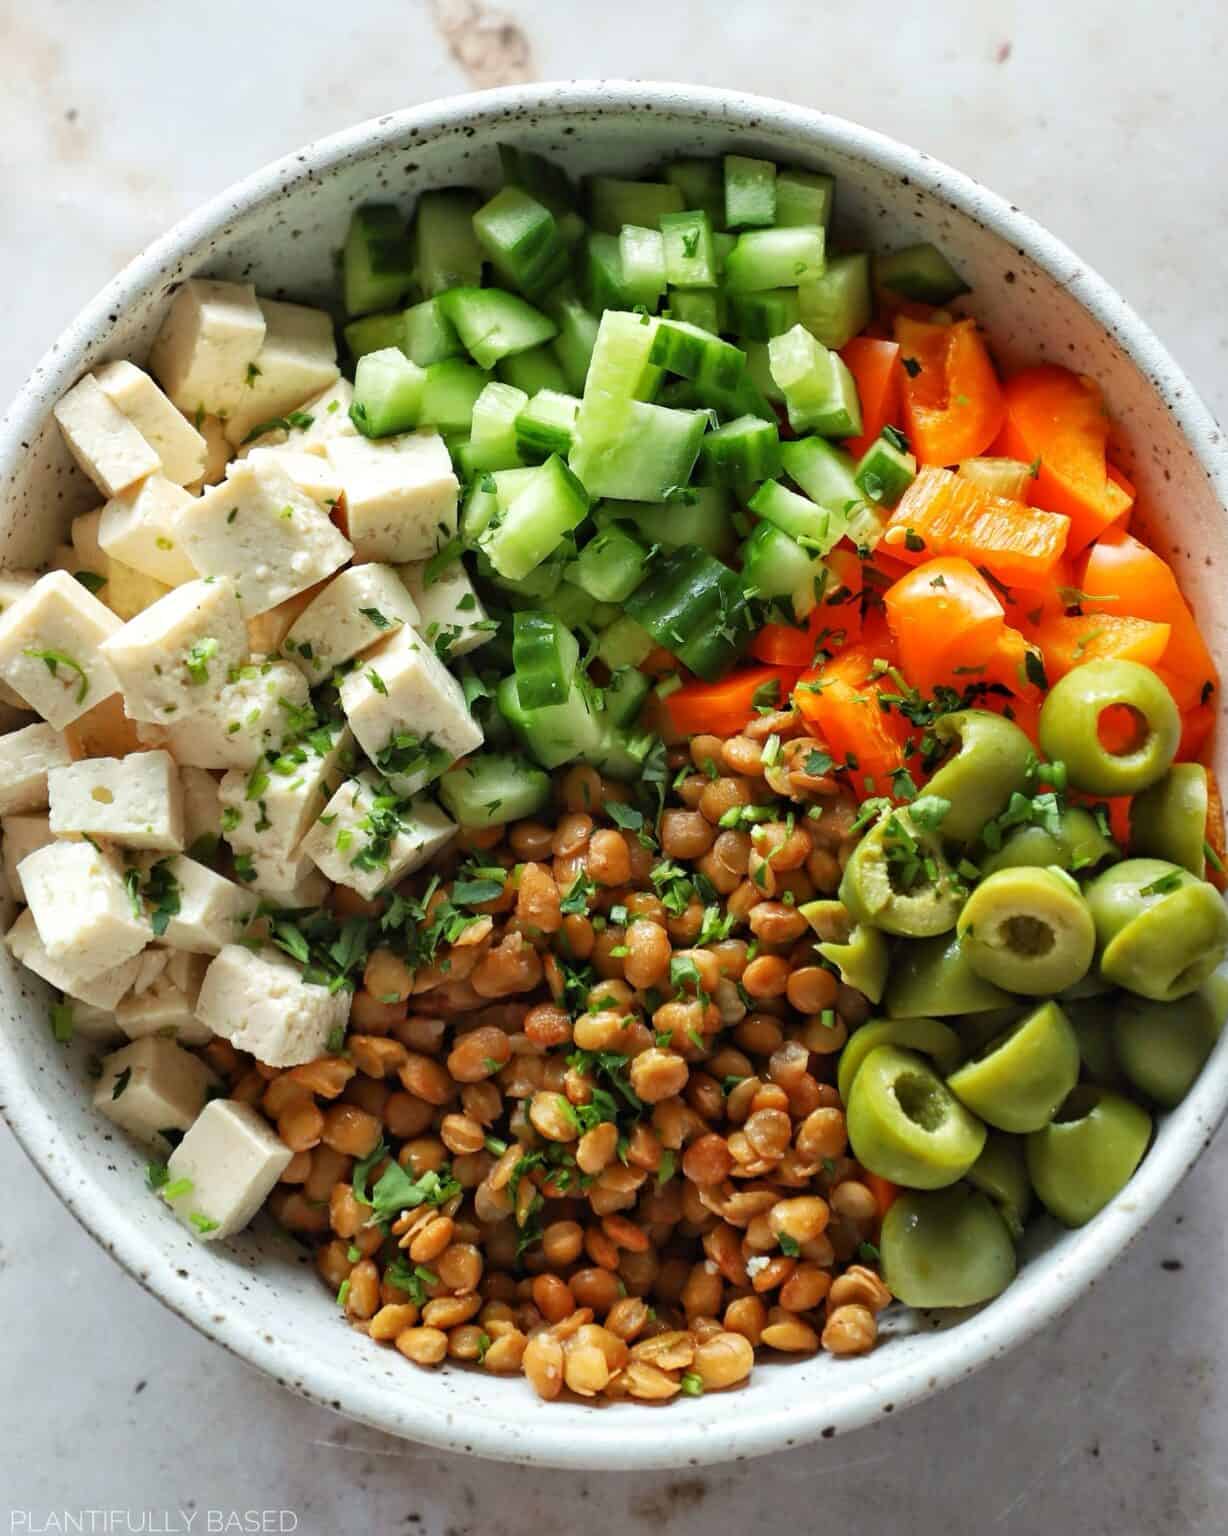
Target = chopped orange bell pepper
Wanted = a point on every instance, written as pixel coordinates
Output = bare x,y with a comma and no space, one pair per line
1055,419
841,698
834,622
952,400
1196,727
723,708
883,1190
946,621
1068,640
876,372
942,514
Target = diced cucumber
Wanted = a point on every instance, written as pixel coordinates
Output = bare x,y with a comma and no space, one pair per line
690,252
557,734
577,609
532,591
618,371
449,394
539,177
697,354
838,306
494,324
620,754
521,238
545,655
920,272
603,273
702,185
550,505
534,370
775,258
824,472
777,567
654,450
430,337
611,565
820,393
1000,477
885,471
446,249
819,528
573,346
373,333
695,607
723,241
623,696
703,307
624,643
478,510
546,424
614,202
694,514
490,788
388,393
492,441
746,449
377,260
641,255
804,197
750,192
760,316
759,370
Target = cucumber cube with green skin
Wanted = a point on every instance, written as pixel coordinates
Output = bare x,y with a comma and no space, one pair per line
429,336
491,788
653,452
603,273
449,394
820,393
776,258
697,354
777,566
447,251
702,184
611,565
826,473
558,733
539,177
838,306
545,656
624,695
573,346
746,449
690,251
702,307
695,607
614,202
388,393
521,238
534,370
920,272
547,424
641,255
750,192
804,197
759,371
374,333
551,504
693,514
885,471
492,439
377,260
573,607
624,643
818,528
760,316
494,324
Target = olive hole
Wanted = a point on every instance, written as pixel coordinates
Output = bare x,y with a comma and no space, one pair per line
922,1100
1122,729
1025,935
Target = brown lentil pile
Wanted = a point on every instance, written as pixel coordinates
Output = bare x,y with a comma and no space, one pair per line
590,1133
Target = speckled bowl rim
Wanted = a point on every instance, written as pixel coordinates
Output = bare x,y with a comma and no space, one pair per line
734,1433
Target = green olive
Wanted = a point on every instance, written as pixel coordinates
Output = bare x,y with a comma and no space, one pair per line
1069,727
931,978
931,1038
859,953
1028,930
1161,933
1092,1020
1018,1081
1001,1172
1079,844
1091,985
1169,820
898,879
1162,1047
991,765
1087,1154
945,1248
977,1030
905,1124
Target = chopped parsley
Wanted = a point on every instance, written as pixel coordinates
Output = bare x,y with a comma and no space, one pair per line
91,580
200,654
54,660
376,618
1172,881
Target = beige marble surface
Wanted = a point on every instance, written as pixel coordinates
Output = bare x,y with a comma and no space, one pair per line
1105,120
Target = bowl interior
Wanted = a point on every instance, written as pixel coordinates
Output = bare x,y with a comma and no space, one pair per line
280,230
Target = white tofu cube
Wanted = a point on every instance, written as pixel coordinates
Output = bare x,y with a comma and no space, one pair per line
330,418
266,632
202,811
310,472
367,839
103,441
129,591
408,712
212,334
171,658
259,1001
400,494
356,610
84,914
451,618
102,991
136,801
233,1158
209,910
19,837
51,648
180,447
256,710
96,1024
141,528
260,533
168,1005
26,757
151,1086
297,361
217,453
267,811
292,881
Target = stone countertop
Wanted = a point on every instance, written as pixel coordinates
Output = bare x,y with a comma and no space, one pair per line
1099,119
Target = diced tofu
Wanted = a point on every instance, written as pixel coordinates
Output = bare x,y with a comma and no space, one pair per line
266,632
171,658
451,618
84,915
202,811
179,446
97,1024
129,591
367,840
233,1159
255,711
310,472
102,991
22,835
106,731
151,1086
330,418
168,1005
217,454
26,757
212,911
408,712
151,966
297,361
291,882
51,648
141,528
103,441
84,532
356,610
259,1001
260,533
212,333
136,801
267,811
400,494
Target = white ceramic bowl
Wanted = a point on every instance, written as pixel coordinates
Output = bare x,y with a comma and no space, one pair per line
279,229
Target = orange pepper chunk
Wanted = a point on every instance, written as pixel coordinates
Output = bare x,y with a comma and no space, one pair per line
840,699
724,707
1068,640
834,621
1196,727
952,401
876,372
946,621
941,514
